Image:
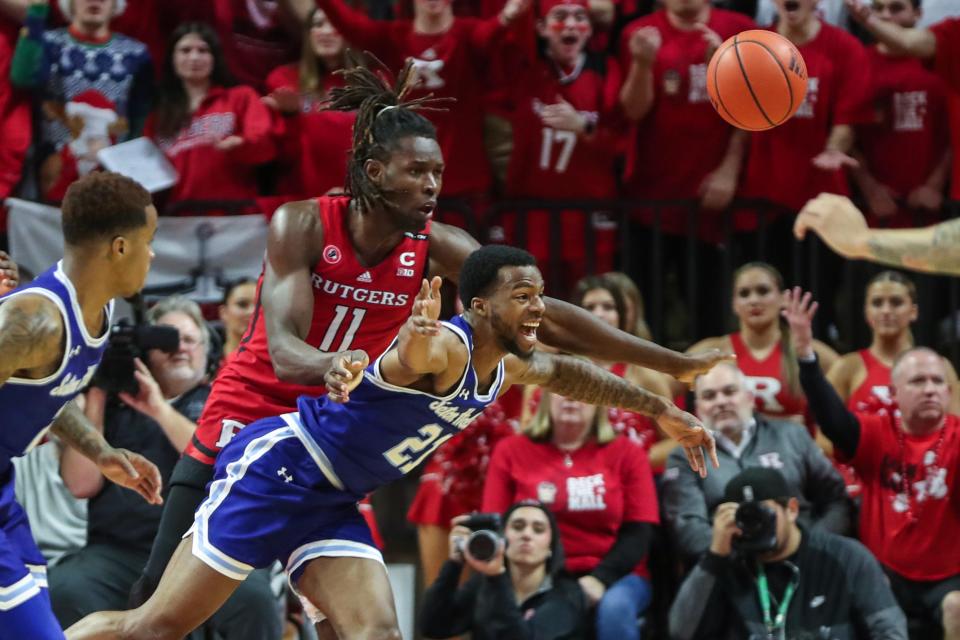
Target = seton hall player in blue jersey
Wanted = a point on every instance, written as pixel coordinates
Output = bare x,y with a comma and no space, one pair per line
52,334
287,487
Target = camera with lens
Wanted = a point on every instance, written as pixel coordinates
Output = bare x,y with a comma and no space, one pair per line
482,542
130,340
758,524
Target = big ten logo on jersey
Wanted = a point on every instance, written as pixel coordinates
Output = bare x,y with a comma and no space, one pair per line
810,100
697,91
407,260
228,429
909,110
427,69
358,294
586,493
765,391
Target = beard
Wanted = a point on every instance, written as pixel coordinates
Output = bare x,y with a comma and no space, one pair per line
502,331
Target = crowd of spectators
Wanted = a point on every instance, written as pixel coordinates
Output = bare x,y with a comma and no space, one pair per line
559,102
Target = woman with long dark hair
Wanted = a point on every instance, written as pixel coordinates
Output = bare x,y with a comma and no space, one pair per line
215,134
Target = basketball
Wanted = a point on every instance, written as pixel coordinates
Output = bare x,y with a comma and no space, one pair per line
756,80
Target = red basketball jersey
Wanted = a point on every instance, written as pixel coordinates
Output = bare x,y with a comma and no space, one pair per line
873,395
354,307
771,391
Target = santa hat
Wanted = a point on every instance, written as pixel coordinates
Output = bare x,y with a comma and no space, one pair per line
94,99
546,5
66,8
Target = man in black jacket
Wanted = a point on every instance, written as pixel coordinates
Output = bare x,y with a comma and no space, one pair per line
808,583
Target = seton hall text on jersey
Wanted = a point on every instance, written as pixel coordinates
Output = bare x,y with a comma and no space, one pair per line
460,419
359,294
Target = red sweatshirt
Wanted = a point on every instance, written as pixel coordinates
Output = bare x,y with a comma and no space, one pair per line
206,173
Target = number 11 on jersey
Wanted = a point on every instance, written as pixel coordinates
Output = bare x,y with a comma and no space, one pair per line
340,312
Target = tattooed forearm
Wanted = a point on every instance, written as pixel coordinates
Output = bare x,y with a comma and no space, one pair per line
934,249
30,335
586,382
76,430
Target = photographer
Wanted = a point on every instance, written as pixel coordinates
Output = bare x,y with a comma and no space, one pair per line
156,421
809,583
517,593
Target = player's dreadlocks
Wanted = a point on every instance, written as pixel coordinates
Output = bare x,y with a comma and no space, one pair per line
384,116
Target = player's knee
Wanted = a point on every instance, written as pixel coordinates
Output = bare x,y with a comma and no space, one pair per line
951,610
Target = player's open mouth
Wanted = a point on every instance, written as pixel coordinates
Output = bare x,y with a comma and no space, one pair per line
428,208
529,330
569,40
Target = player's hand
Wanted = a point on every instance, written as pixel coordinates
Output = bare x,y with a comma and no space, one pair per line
563,116
228,143
711,37
285,101
426,307
798,310
345,374
697,364
133,471
835,219
644,44
592,588
833,159
925,197
724,529
692,436
149,400
880,200
717,189
9,273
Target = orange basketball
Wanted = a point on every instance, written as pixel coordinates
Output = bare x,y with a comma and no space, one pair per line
756,80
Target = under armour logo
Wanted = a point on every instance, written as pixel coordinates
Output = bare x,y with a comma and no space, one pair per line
75,352
465,394
283,472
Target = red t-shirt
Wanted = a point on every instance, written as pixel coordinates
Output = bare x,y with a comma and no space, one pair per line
354,307
947,65
681,139
910,509
206,173
908,138
255,36
450,64
314,144
873,396
14,117
601,488
771,392
780,166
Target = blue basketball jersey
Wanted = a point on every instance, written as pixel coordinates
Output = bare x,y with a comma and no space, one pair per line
386,431
28,407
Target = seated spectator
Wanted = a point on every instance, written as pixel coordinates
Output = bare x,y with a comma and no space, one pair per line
239,300
314,142
157,422
93,87
762,343
835,586
905,151
907,463
213,133
519,593
746,439
600,488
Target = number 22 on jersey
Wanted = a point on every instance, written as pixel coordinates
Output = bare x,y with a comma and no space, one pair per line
340,314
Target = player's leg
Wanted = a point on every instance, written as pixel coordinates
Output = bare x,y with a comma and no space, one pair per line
354,594
188,484
189,593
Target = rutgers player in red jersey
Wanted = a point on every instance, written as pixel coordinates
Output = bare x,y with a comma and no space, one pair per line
313,141
905,152
762,344
566,132
450,54
339,280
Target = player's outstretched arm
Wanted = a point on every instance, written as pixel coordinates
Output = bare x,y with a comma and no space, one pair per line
916,42
294,242
934,249
128,469
572,329
581,380
31,332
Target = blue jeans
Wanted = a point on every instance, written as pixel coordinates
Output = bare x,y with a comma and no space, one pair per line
620,607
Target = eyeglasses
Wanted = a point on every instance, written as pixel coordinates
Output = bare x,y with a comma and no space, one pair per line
892,8
189,342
